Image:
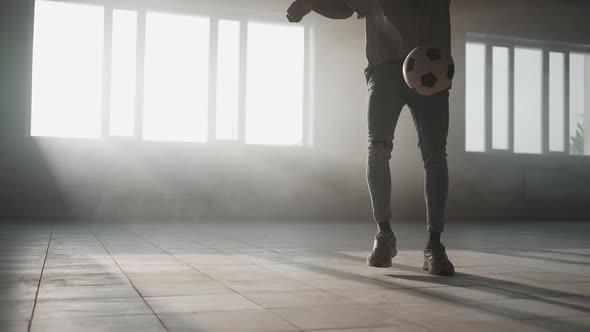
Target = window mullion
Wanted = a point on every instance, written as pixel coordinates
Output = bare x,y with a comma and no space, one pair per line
213,41
308,89
107,64
243,80
140,73
566,112
488,104
545,107
511,99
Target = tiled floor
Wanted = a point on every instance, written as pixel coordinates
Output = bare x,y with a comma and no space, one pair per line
521,276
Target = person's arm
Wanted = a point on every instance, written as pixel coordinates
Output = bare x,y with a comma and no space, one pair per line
334,9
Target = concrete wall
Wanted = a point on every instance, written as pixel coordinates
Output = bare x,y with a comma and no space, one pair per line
52,178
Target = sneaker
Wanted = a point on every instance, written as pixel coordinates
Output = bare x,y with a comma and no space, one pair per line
436,261
383,250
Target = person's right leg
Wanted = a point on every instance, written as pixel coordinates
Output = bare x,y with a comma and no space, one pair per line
386,100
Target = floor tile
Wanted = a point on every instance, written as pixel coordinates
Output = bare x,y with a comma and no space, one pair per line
180,288
91,308
529,309
400,328
195,303
259,320
333,317
272,285
58,280
130,323
431,315
16,309
378,297
86,292
296,299
471,293
14,326
356,283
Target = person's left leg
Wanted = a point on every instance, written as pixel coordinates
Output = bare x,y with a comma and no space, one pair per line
431,117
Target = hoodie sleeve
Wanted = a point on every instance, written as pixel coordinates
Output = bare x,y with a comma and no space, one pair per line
361,7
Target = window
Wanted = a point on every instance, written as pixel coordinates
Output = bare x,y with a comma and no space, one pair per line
579,104
475,97
67,88
500,98
102,71
273,110
556,101
176,78
526,96
528,86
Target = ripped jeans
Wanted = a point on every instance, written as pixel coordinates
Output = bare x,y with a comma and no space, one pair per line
388,94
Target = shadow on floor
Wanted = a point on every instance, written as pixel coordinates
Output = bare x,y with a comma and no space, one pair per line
526,291
521,255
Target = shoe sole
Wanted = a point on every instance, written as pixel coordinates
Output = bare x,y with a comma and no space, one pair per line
386,265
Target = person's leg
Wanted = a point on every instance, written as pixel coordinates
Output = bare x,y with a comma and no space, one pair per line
386,100
431,117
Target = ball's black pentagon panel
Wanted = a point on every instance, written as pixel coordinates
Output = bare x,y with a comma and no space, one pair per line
429,80
410,64
433,54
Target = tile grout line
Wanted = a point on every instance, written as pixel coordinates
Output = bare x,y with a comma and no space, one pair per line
130,282
410,323
40,280
418,290
218,281
294,279
473,306
331,292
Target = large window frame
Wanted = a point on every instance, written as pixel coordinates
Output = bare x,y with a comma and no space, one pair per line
546,47
221,11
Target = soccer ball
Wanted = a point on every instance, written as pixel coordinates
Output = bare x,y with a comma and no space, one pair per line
429,70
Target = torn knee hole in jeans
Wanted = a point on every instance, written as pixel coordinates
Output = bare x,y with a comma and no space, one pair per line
435,158
380,150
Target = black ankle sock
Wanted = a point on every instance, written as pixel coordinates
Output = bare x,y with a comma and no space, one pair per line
385,227
434,237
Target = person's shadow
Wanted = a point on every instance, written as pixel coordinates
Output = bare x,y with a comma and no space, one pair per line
465,280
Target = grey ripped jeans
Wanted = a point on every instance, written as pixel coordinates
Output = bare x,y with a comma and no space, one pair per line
388,94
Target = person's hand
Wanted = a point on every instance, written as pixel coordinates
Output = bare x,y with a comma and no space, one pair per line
298,10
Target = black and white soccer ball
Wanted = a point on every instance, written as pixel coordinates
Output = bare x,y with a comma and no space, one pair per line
429,70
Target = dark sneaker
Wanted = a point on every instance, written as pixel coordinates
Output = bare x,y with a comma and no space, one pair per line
436,260
383,250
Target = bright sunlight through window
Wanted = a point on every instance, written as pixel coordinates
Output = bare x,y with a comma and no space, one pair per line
474,101
176,78
67,70
154,82
274,97
532,99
